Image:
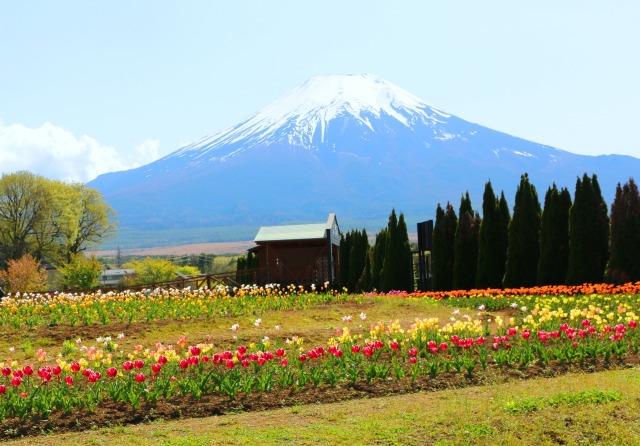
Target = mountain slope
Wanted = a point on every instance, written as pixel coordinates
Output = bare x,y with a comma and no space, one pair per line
351,144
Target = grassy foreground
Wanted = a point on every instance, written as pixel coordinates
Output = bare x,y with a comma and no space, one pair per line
469,416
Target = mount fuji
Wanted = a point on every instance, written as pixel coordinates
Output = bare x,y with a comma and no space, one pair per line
355,145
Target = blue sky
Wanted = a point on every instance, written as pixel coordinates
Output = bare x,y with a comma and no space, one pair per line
91,87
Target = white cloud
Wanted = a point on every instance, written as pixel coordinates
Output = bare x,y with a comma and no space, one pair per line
58,154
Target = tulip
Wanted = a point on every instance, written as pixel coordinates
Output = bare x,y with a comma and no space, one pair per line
16,381
195,350
156,368
355,349
56,370
302,357
138,363
3,389
28,370
413,360
245,363
230,363
128,365
242,349
6,371
184,364
413,351
69,380
140,377
279,352
394,345
162,359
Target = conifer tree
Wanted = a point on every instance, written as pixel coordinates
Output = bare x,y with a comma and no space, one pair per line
396,271
490,267
357,259
502,242
466,246
344,258
524,237
554,237
379,249
624,245
442,256
588,233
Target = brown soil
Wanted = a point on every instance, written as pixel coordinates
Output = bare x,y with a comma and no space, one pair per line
112,414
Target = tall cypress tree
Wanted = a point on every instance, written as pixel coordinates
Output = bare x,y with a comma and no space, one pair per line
442,257
344,258
524,237
554,237
396,272
379,249
466,246
502,242
357,259
490,269
624,245
588,233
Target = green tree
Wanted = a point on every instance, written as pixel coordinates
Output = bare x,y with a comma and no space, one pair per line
492,240
379,249
396,272
152,270
345,258
94,220
443,254
554,237
524,237
80,273
466,246
624,245
357,259
25,204
588,233
50,220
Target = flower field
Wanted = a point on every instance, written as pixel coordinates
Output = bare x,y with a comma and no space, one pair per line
125,357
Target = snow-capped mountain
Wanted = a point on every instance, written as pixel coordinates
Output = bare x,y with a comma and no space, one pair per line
356,145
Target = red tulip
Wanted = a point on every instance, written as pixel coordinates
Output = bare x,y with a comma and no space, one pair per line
230,363
16,381
633,324
413,351
413,360
338,353
302,357
184,364
394,345
69,380
156,368
56,370
284,362
355,348
128,365
162,359
75,367
140,377
6,371
279,352
245,363
28,370
444,346
112,372
195,350
242,349
3,389
138,363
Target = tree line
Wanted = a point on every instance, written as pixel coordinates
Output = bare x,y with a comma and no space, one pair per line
565,242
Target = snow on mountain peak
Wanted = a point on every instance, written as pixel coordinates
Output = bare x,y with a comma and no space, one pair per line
310,107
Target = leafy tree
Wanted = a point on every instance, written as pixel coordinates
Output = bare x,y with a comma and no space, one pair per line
151,270
94,220
24,205
188,270
24,275
80,273
554,237
379,249
588,233
466,246
624,245
524,237
442,256
50,220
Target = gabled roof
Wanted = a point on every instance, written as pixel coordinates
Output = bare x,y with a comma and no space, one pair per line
296,232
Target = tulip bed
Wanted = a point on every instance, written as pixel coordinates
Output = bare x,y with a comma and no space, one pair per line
487,331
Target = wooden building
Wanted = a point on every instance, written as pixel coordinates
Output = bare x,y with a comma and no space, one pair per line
299,254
